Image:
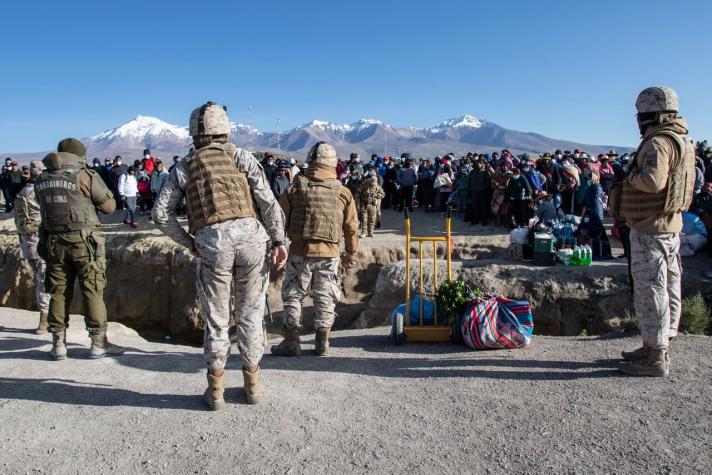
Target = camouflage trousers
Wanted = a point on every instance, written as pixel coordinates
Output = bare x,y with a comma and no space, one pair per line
322,276
28,244
43,298
368,216
224,266
657,275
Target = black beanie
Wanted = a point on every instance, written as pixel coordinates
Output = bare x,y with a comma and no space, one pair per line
71,145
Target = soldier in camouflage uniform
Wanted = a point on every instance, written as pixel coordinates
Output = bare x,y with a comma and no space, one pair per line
658,188
319,212
369,196
69,195
27,221
234,221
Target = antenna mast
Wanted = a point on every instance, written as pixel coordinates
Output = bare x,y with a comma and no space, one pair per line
249,123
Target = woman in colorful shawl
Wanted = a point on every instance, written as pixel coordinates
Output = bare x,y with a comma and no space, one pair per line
499,204
570,177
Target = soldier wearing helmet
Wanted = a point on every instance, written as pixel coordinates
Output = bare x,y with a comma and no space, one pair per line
27,221
234,221
658,188
319,213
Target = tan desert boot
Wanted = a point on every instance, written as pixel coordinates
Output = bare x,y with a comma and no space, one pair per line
213,395
290,345
655,364
321,346
253,390
42,327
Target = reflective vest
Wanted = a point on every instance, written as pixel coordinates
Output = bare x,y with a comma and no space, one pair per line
63,205
316,214
216,190
677,195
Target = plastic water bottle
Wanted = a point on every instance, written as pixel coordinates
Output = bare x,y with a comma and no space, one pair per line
576,257
589,255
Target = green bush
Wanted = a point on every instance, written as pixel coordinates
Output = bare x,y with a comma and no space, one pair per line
695,315
452,296
630,321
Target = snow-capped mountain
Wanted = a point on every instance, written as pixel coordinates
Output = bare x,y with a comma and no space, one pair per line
365,136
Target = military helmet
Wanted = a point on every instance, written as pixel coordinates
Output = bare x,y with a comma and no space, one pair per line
323,153
657,99
209,119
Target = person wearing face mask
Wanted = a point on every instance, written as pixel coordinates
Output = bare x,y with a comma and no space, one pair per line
550,170
390,185
280,182
570,177
532,176
269,167
426,177
480,187
128,187
117,171
407,179
519,195
148,161
658,188
353,181
158,178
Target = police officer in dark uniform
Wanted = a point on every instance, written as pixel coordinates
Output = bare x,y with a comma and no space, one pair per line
69,195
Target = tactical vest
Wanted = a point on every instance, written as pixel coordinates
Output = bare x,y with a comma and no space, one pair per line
678,193
216,190
63,205
316,214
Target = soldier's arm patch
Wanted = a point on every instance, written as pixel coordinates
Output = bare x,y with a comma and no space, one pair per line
651,158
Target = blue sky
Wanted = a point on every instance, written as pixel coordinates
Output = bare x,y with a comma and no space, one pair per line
566,69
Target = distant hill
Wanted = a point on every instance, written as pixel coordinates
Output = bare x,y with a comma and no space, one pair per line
366,136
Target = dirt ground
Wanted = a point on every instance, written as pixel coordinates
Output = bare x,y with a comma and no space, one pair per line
557,406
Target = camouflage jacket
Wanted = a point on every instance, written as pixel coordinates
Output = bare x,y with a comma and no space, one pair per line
270,227
369,193
27,211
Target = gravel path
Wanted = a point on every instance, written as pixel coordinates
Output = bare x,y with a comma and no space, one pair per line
557,406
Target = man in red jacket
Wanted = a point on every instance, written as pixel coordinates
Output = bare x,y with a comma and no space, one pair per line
149,162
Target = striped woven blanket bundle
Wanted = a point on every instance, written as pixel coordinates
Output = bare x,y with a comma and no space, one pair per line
492,322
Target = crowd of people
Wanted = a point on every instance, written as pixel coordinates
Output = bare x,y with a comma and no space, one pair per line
499,188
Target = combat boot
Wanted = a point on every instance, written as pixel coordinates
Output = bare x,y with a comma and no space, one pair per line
656,363
290,345
59,350
253,390
321,346
635,355
100,347
213,396
42,327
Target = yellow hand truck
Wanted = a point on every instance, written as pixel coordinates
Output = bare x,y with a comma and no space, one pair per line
402,330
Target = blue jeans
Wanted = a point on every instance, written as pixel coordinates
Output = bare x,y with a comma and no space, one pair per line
130,207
